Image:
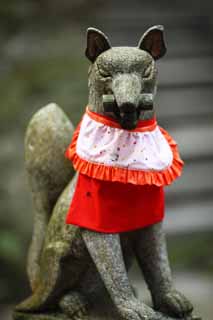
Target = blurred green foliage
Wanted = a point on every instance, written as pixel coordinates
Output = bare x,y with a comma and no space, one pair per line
10,247
192,251
37,82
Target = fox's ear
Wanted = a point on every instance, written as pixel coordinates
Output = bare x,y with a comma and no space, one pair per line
97,43
152,41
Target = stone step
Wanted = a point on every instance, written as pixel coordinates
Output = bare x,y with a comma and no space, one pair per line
180,30
185,72
194,141
136,11
189,217
196,180
191,102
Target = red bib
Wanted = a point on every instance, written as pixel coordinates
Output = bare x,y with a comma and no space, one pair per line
111,207
121,174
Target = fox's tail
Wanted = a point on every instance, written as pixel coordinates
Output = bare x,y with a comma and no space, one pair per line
47,137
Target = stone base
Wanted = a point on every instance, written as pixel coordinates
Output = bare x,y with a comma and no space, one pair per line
39,316
103,309
60,316
104,315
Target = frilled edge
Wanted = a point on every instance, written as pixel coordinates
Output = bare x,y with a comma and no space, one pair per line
137,177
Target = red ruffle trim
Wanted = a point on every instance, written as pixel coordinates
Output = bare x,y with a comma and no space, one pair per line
137,177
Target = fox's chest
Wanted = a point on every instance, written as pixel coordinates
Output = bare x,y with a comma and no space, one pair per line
145,156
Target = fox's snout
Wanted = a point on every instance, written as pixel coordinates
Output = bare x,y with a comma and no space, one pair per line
126,89
128,113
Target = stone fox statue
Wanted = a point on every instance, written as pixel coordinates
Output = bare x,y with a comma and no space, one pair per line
88,229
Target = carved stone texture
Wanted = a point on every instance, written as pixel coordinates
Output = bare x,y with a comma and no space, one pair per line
72,269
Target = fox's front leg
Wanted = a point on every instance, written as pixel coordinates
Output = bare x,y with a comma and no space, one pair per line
105,250
151,251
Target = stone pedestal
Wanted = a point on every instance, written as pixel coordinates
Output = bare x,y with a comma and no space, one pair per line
100,312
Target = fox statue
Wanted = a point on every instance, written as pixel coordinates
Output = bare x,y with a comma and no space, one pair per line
72,261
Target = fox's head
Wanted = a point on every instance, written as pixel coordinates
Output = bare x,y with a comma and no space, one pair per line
122,80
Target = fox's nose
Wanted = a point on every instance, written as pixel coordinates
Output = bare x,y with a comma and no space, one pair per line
127,107
128,115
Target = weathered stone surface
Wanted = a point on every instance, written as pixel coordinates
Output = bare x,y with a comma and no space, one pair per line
70,267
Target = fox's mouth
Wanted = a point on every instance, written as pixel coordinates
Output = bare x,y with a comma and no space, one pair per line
128,114
127,119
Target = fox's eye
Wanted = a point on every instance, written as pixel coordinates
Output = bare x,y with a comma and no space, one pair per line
104,74
147,72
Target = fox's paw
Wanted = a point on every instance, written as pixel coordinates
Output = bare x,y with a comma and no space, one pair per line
136,310
174,304
74,305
